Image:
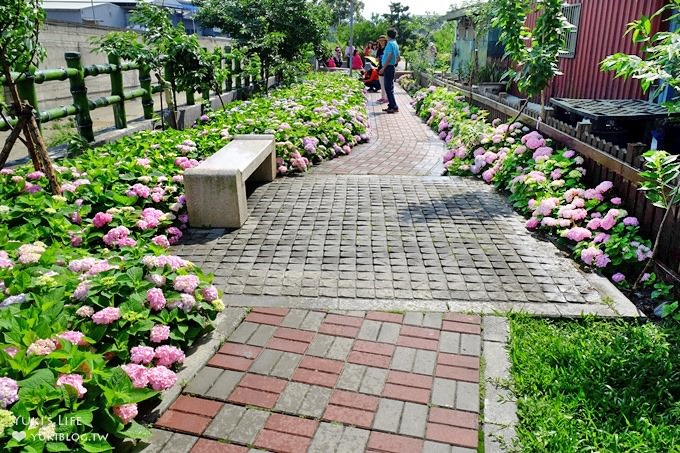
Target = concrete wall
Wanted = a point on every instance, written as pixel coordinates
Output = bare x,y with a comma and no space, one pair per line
58,38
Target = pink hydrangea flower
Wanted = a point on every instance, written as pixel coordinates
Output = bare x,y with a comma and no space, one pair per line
5,262
41,347
158,280
11,350
81,291
9,392
119,237
589,254
186,283
532,223
161,378
101,219
602,260
168,355
616,201
74,337
608,222
143,162
75,381
159,333
85,311
141,354
210,293
578,234
631,221
156,299
601,238
139,374
593,224
126,412
604,186
106,316
161,241
618,277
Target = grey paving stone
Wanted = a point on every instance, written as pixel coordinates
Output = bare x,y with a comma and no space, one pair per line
351,376
266,361
413,318
250,424
388,416
179,443
294,318
470,344
327,438
315,401
158,440
373,381
424,362
286,365
224,385
449,342
243,332
320,345
369,330
313,320
262,335
340,348
203,380
467,396
403,358
436,447
433,320
413,420
353,440
292,397
389,332
225,421
443,392
495,328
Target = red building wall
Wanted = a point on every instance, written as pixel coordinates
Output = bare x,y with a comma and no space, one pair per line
601,33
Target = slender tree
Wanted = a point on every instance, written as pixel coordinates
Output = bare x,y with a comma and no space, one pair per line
20,52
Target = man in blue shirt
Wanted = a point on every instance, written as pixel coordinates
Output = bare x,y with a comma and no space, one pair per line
390,59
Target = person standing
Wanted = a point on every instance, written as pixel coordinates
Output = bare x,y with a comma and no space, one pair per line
390,59
337,58
357,62
382,41
349,53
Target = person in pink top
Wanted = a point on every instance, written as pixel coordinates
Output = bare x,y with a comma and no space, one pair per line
357,63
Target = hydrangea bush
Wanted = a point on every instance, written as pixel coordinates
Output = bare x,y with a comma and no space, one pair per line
545,184
95,314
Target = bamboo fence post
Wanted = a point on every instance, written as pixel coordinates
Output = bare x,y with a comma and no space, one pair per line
229,64
147,98
27,92
117,89
79,93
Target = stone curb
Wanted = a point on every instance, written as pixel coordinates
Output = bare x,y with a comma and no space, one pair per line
554,310
500,412
202,351
621,304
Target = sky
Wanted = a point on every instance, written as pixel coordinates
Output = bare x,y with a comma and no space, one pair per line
417,7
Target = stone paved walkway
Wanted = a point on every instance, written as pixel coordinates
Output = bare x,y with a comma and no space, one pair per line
354,272
292,380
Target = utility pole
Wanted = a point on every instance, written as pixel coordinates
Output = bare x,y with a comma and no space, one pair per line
351,35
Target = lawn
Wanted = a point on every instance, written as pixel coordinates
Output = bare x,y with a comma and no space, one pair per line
596,385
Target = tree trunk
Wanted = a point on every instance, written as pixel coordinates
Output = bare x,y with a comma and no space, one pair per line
9,142
655,248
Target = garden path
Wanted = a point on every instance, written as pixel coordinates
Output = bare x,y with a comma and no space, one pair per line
354,273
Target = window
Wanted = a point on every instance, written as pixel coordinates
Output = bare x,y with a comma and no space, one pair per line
573,14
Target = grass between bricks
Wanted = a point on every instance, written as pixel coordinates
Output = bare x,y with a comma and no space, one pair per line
596,385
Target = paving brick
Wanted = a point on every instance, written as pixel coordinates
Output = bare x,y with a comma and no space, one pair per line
424,362
315,401
419,332
382,442
320,345
198,406
224,385
339,349
291,425
413,420
452,435
349,399
408,387
343,320
294,318
458,360
243,332
353,440
470,344
323,372
210,446
283,344
313,320
460,327
403,358
457,317
179,443
443,392
351,376
457,373
388,415
414,318
453,417
373,381
225,422
262,318
350,416
386,317
339,330
202,382
433,320
449,342
417,343
282,442
276,311
467,396
365,358
389,333
249,426
369,330
261,335
327,438
262,391
292,397
183,422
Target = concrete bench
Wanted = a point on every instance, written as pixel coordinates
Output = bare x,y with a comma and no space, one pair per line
216,189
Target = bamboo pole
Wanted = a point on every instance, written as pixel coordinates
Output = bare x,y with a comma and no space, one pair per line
79,93
117,89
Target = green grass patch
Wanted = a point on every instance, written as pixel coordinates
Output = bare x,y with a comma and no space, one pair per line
596,386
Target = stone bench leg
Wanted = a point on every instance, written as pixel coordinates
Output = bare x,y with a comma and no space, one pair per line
266,172
218,200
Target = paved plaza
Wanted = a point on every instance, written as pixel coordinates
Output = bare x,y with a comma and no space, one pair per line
354,281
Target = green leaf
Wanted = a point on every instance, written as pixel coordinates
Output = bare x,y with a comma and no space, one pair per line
137,431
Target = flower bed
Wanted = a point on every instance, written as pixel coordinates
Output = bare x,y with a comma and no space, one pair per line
94,313
545,184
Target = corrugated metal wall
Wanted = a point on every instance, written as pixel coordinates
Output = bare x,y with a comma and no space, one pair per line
601,33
